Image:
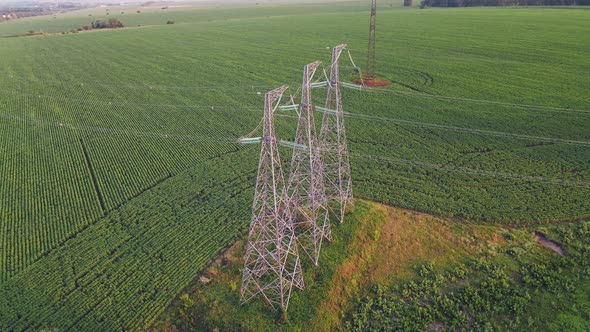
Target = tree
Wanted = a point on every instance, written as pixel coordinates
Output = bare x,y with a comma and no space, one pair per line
100,24
115,23
112,23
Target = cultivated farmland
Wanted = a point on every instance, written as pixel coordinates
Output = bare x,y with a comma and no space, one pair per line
121,178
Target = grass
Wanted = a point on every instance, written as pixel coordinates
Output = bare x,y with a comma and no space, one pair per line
381,250
119,116
342,274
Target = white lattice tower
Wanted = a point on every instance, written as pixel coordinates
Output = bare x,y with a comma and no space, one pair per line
333,142
272,266
306,186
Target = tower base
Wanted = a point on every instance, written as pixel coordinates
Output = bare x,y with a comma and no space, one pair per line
370,81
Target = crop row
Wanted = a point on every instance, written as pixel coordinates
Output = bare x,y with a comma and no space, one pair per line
121,272
53,149
43,180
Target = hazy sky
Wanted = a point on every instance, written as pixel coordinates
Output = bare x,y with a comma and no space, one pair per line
129,1
135,1
16,2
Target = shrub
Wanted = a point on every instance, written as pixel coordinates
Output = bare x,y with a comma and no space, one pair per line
112,23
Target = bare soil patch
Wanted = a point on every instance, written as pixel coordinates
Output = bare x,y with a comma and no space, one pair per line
549,244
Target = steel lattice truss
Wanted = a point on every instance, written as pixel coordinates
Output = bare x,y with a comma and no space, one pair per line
319,179
306,186
370,72
333,143
272,266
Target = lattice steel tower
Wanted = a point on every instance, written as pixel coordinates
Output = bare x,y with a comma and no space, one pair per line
272,266
333,142
370,72
306,186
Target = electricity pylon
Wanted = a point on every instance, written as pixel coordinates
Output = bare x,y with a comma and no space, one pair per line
306,186
333,142
272,266
370,72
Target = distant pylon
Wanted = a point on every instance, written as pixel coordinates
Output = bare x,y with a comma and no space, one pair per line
333,142
370,72
306,186
272,266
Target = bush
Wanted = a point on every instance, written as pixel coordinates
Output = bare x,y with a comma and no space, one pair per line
170,22
112,23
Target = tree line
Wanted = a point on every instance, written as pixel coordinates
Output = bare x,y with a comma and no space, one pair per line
473,3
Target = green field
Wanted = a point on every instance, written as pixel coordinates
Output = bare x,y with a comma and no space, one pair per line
120,177
198,12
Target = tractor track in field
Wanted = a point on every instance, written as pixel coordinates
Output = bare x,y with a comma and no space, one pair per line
427,80
93,176
91,223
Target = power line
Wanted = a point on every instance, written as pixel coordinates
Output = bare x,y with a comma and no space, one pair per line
126,103
468,130
115,131
479,101
352,115
245,87
233,140
253,87
467,170
472,100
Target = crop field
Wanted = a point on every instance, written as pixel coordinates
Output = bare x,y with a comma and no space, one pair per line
195,12
121,178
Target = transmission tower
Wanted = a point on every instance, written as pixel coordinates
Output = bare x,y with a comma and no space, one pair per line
272,266
370,72
333,142
306,186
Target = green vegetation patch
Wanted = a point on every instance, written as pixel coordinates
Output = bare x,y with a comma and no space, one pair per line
521,287
487,278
